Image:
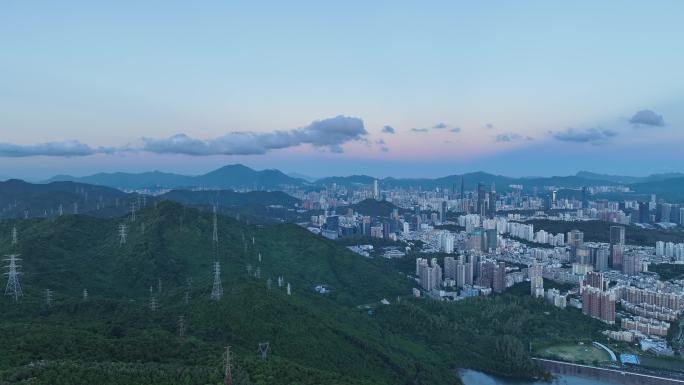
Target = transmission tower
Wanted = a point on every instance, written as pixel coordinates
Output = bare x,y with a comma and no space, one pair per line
289,290
181,326
228,376
13,287
263,349
217,289
122,234
14,236
214,236
61,210
280,281
269,283
153,300
85,294
257,273
259,257
48,297
188,288
159,285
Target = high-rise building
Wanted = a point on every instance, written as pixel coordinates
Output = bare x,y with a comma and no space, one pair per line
436,273
490,240
499,278
429,275
475,239
460,275
599,257
585,198
442,211
376,190
480,199
631,264
598,304
595,279
575,240
536,281
486,275
583,255
644,214
492,202
617,235
617,251
450,268
469,273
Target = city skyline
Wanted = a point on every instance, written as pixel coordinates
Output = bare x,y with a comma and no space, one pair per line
386,89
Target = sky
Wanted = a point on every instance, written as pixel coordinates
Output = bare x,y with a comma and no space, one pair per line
385,88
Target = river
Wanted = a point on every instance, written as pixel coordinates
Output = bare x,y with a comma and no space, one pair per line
472,377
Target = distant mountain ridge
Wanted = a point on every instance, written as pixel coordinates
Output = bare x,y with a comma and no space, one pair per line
629,179
239,177
234,176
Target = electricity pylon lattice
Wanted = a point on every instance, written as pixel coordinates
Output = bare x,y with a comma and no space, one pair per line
228,376
13,287
217,289
48,297
181,326
85,294
14,236
214,236
263,349
289,290
153,301
122,234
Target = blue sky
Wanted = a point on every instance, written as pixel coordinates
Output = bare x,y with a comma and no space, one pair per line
518,88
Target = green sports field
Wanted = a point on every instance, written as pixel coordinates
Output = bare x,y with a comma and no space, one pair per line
576,352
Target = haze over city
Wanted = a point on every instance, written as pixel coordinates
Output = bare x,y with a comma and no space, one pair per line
385,88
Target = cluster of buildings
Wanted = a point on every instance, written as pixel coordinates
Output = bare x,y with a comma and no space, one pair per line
484,248
670,250
463,275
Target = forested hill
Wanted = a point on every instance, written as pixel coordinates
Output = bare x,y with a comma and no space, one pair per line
314,338
172,243
342,337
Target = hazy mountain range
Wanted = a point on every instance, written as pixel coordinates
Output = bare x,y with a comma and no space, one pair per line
238,177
